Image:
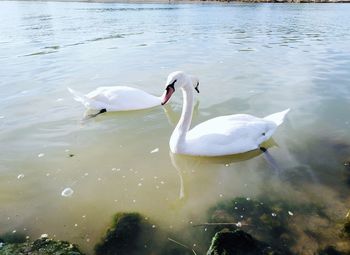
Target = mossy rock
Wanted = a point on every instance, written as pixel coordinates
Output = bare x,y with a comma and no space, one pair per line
42,246
268,220
133,234
238,243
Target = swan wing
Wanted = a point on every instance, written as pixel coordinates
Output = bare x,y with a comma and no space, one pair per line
121,98
230,134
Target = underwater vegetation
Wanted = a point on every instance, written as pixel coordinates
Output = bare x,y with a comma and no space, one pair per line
284,225
234,227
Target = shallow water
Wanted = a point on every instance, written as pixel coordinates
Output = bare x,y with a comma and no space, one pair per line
250,58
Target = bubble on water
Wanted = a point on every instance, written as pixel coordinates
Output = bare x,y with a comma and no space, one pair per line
157,187
248,198
273,214
221,195
44,236
140,184
162,182
40,155
86,174
14,231
59,99
155,177
84,216
154,151
75,225
99,179
153,226
239,224
290,213
134,201
227,165
67,192
20,176
236,208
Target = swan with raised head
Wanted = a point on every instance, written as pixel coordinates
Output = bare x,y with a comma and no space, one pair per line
120,98
220,136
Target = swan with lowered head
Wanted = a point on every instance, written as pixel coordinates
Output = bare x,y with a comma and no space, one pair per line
120,98
220,136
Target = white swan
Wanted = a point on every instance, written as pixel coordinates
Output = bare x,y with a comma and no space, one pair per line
120,98
220,136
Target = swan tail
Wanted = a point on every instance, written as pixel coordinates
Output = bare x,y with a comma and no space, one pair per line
277,117
79,97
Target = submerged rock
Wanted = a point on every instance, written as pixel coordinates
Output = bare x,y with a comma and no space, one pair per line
331,250
238,243
346,226
279,223
129,233
12,237
133,234
42,246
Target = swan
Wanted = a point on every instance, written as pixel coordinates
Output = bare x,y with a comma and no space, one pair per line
120,98
220,136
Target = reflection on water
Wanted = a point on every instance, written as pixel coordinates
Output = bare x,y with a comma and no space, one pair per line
250,58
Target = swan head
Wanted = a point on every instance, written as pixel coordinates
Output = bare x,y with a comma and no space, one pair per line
177,80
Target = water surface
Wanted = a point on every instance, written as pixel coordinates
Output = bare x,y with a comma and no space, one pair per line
250,58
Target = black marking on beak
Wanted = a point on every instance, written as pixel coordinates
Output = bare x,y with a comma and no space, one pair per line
196,88
171,85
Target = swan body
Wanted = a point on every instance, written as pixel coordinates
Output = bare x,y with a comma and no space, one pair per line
220,136
121,98
117,98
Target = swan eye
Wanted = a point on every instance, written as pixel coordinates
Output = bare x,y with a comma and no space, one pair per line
196,88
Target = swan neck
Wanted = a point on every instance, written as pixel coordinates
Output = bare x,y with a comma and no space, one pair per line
186,116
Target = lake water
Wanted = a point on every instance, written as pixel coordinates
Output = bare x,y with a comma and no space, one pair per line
250,58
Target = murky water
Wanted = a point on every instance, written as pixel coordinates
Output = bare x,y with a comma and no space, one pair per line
250,58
